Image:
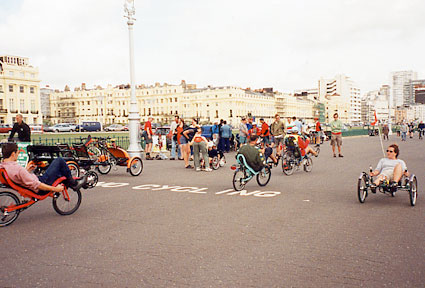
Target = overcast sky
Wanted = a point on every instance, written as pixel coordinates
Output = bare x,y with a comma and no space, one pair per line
287,45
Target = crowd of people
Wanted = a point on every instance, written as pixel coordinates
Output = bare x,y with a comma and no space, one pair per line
405,129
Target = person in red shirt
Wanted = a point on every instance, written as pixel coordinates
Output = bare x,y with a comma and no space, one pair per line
318,130
148,138
254,130
265,132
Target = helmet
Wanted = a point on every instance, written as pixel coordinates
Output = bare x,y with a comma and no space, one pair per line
254,124
295,129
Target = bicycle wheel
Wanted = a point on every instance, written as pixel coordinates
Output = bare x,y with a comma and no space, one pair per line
308,165
288,164
67,206
75,170
92,180
215,163
8,199
263,177
104,168
413,191
317,149
362,189
94,152
136,166
222,161
238,180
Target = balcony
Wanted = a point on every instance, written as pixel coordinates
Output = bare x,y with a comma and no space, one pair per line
13,111
34,111
24,111
3,110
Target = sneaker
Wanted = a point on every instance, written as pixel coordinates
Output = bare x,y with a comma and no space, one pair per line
189,166
78,183
197,169
340,155
172,158
208,170
334,155
373,188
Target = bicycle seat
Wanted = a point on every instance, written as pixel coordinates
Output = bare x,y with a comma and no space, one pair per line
240,158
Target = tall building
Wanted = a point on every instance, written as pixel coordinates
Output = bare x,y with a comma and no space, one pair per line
19,90
415,91
398,80
298,105
341,94
375,101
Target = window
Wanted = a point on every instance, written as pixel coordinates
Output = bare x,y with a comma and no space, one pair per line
33,105
10,88
175,99
12,104
11,73
1,103
216,113
22,105
32,90
1,88
21,89
230,113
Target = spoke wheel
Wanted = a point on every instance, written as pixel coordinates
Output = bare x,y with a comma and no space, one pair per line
94,152
362,189
222,161
104,167
67,206
136,166
215,163
263,177
308,165
288,164
8,199
92,179
238,180
75,170
413,191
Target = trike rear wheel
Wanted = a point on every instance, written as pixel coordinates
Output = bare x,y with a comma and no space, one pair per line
238,180
362,189
215,163
308,165
8,199
263,177
75,170
136,166
104,168
68,206
413,191
288,164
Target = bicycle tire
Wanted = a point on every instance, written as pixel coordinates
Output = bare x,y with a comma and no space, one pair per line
413,191
136,166
308,165
238,183
106,168
75,170
215,163
362,189
7,199
67,207
265,174
288,164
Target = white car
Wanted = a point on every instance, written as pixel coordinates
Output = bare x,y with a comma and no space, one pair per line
61,127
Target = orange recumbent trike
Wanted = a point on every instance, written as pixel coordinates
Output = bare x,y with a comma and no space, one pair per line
64,203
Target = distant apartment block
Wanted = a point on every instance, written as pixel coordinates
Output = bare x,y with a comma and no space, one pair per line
401,96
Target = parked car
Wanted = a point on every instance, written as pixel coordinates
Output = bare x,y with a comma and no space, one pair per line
116,127
89,126
5,128
61,127
36,128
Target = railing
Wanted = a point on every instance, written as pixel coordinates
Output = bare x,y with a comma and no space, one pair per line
13,111
3,110
34,111
121,141
24,111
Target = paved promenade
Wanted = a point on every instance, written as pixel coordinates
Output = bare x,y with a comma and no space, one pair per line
174,227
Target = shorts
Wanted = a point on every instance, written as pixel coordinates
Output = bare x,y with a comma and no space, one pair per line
242,139
277,141
183,140
267,152
212,153
266,140
147,139
389,174
336,139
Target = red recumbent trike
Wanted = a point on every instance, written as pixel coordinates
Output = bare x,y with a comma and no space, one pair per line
64,203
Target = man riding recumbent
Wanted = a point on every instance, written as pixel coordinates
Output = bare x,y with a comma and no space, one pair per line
297,144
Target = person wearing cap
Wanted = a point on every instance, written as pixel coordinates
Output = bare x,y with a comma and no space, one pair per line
265,132
243,132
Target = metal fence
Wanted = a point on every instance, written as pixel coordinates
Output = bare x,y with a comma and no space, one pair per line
122,141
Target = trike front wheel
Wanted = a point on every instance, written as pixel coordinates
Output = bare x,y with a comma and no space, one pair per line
136,166
263,177
8,199
413,191
362,189
67,202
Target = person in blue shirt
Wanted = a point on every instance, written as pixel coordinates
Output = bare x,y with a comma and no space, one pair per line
215,131
298,124
249,123
226,133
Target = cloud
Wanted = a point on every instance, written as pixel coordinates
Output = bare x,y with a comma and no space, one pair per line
285,44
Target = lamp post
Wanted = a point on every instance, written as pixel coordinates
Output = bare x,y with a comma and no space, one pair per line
134,149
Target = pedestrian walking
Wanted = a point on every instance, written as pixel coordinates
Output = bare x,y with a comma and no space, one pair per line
336,132
421,129
403,129
385,131
226,133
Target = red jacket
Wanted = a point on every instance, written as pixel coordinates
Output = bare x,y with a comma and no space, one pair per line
265,131
303,144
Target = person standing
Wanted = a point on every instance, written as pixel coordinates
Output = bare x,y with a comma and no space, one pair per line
174,142
336,132
421,129
23,130
199,144
249,124
226,133
403,129
278,131
243,132
298,124
318,130
148,138
220,138
265,132
215,133
185,139
385,131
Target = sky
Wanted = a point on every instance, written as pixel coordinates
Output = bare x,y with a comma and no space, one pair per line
287,45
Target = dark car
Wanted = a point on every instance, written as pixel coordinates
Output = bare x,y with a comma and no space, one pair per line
89,126
5,128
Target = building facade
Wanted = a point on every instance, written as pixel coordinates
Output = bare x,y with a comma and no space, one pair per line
45,103
415,92
341,94
19,90
398,80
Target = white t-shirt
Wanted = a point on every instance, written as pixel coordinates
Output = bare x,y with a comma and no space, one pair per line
389,164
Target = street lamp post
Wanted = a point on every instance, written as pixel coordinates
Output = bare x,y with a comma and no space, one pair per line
134,149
